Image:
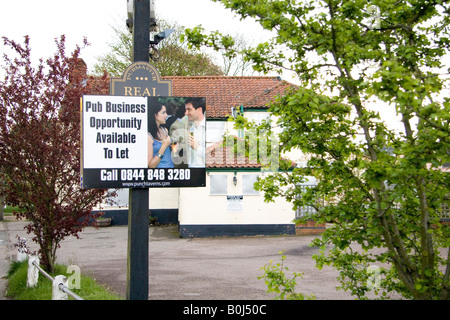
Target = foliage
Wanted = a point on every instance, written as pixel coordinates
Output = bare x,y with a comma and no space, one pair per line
22,246
256,147
40,144
175,59
276,281
382,187
89,289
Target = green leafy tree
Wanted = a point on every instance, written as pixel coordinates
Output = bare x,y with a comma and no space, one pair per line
174,57
382,189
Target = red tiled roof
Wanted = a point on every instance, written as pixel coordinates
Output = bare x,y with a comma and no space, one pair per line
261,101
224,92
220,156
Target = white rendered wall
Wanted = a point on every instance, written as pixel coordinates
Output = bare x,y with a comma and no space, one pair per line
197,206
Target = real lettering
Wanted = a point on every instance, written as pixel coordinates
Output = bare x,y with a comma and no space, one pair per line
119,154
109,175
94,107
115,138
122,153
138,91
108,153
193,310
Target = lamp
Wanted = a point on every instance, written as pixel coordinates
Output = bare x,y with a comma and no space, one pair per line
161,36
235,179
153,51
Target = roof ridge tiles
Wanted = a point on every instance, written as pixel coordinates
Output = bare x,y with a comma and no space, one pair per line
224,77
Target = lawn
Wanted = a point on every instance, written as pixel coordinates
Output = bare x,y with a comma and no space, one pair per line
89,289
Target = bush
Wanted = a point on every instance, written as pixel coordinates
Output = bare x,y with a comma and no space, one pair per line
277,282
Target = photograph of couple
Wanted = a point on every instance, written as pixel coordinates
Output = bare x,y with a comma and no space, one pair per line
176,132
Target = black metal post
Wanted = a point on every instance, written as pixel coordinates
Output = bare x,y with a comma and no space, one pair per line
138,251
138,233
141,30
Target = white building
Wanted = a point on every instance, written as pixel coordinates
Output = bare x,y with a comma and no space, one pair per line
228,205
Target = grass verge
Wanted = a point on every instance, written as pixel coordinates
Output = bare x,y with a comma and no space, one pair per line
17,285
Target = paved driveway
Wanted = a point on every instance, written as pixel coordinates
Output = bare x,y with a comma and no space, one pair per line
203,268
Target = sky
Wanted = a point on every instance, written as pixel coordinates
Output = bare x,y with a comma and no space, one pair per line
45,20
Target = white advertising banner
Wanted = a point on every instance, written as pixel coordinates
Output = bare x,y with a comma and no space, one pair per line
114,132
131,142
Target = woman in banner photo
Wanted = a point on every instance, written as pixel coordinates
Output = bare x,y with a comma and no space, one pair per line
159,151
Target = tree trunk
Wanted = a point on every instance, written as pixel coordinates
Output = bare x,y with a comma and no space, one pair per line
2,207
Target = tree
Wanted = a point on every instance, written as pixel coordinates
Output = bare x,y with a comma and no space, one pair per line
382,189
235,64
175,59
40,144
2,208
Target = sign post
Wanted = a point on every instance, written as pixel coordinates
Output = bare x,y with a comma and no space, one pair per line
138,249
119,144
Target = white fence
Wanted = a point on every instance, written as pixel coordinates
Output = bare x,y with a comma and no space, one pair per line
445,210
307,211
60,288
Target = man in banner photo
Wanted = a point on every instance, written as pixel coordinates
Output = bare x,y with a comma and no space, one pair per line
177,132
195,111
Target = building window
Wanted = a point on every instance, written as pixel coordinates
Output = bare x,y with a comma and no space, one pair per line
248,181
214,131
218,184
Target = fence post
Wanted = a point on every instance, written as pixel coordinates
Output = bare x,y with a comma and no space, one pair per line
33,272
57,293
21,256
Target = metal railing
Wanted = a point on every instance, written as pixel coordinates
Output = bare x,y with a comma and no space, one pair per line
306,211
309,211
445,210
60,288
58,282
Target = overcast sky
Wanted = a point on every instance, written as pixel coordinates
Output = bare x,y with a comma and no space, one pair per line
45,20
